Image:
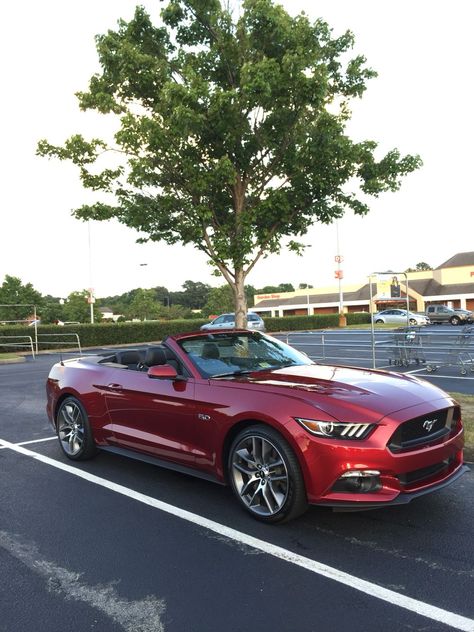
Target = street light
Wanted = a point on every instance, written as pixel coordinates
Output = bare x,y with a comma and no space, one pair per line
91,298
339,275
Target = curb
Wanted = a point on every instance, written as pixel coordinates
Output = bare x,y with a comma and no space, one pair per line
17,360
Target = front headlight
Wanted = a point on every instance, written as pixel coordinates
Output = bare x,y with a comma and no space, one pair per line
336,430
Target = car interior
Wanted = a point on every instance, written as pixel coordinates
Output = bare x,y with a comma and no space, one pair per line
143,359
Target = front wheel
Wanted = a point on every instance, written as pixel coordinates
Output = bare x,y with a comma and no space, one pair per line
412,321
455,320
74,431
379,321
265,475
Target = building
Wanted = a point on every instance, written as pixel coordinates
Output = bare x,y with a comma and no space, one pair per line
451,284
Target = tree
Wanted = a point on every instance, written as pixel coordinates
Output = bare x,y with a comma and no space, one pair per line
195,294
420,267
144,305
232,132
14,293
276,289
221,300
76,308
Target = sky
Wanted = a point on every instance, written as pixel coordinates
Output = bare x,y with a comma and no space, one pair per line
421,103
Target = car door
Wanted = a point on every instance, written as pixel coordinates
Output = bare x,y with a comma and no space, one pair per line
223,322
155,416
399,316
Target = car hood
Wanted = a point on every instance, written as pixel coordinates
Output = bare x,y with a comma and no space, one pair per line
345,392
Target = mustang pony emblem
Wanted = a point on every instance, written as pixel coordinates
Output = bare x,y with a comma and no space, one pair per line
428,424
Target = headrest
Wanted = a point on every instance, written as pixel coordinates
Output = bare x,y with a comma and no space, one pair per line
128,357
210,350
154,356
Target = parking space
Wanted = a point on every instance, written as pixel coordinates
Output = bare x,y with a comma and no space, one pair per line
114,544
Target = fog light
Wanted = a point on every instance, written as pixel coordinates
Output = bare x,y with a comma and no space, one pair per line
358,482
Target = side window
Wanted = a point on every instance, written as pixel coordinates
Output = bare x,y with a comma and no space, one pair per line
219,320
228,319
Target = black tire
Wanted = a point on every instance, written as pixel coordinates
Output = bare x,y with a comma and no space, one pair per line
454,320
379,321
412,321
74,431
265,475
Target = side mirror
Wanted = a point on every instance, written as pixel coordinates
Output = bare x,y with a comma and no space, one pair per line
163,372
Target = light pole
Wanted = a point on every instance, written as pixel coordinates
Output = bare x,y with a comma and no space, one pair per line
339,275
91,298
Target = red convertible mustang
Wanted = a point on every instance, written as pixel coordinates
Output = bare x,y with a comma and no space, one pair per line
242,408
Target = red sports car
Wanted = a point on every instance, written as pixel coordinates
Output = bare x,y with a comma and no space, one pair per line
242,408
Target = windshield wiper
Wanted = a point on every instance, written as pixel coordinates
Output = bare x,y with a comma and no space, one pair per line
234,373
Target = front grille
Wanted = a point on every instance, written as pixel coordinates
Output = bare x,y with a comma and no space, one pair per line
424,473
421,430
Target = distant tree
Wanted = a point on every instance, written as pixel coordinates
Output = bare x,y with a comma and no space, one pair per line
76,308
52,309
144,306
420,267
14,292
221,300
195,294
174,312
276,289
232,132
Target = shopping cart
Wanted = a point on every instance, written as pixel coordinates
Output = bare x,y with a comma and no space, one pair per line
407,347
458,352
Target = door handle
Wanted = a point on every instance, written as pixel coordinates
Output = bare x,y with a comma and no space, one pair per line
115,387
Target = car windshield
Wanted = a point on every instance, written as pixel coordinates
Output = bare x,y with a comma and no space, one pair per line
233,354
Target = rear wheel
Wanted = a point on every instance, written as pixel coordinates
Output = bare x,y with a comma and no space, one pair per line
454,320
265,475
74,431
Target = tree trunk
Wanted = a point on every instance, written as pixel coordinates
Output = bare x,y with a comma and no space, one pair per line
240,300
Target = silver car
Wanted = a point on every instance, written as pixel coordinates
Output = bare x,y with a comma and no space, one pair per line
227,321
399,317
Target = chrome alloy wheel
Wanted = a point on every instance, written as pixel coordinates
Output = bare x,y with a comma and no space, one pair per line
71,428
260,475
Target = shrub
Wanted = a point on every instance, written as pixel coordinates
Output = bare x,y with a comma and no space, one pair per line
100,334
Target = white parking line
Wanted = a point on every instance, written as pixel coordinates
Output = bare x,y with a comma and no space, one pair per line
442,377
2,447
368,588
37,440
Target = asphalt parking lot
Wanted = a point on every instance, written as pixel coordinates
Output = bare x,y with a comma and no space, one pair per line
115,544
441,354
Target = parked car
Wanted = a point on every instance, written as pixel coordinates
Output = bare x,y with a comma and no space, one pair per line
399,317
244,409
227,321
443,314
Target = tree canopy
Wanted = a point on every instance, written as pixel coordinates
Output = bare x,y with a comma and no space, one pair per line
232,132
422,266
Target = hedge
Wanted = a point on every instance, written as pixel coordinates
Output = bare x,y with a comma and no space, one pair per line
101,334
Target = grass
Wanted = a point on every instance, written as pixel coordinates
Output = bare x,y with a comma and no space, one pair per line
467,408
9,356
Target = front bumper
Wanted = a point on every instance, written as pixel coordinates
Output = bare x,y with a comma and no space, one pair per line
402,499
403,475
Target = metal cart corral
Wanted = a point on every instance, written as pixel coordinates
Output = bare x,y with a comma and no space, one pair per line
457,351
